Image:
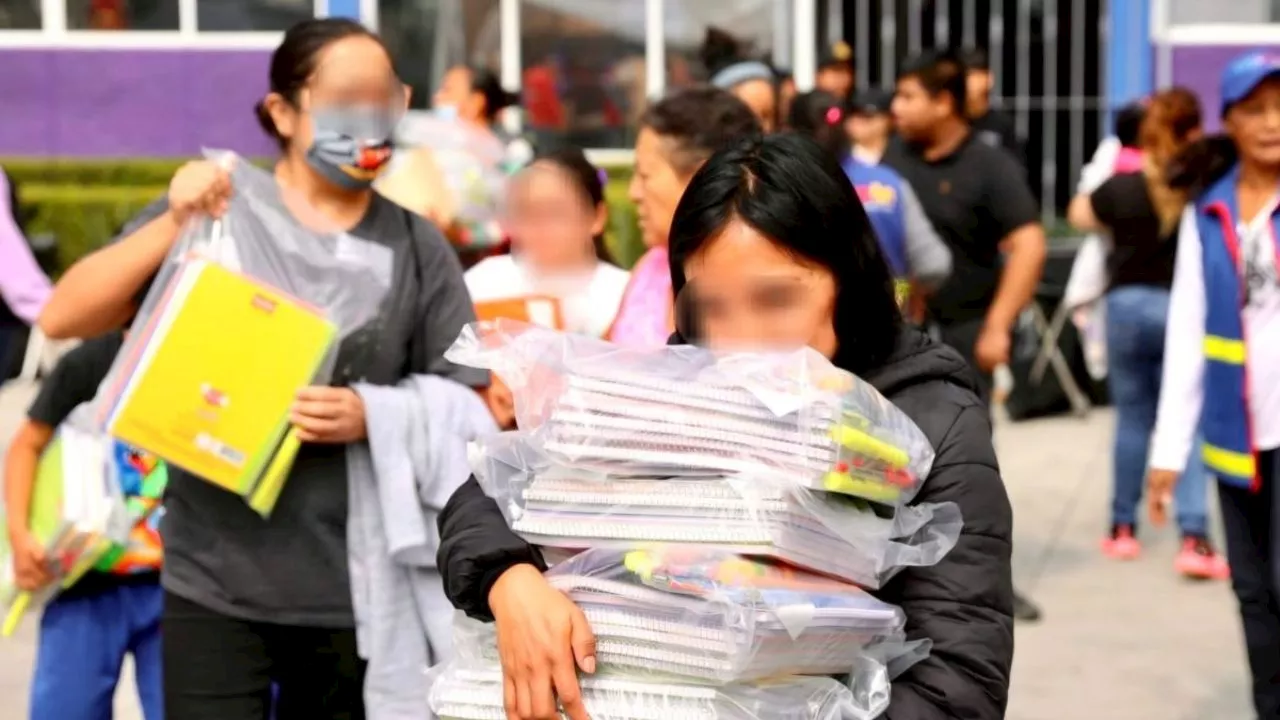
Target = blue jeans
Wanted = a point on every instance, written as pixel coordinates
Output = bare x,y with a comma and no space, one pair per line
1136,316
83,642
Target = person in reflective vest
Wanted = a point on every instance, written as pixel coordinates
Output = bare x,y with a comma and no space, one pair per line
1222,349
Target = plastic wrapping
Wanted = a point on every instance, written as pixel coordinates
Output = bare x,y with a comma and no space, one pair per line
77,514
473,165
246,310
681,411
473,691
706,615
554,505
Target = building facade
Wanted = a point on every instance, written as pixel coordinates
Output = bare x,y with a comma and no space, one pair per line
128,78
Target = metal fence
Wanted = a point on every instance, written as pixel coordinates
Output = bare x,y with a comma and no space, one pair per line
1048,59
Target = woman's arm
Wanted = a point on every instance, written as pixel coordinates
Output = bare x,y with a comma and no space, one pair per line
476,547
964,604
23,285
1182,387
1080,214
100,292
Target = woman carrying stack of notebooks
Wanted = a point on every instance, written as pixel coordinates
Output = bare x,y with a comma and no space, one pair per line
251,603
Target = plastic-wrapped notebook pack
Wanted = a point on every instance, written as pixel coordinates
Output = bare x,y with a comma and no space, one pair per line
554,505
473,691
247,310
77,514
710,616
682,410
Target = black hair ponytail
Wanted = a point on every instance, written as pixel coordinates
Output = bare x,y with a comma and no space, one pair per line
1201,164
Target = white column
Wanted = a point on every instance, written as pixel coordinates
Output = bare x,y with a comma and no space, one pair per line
655,49
805,44
187,24
509,34
369,14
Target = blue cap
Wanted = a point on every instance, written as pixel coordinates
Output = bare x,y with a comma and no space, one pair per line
1245,73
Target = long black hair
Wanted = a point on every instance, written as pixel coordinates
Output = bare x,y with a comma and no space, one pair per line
1201,164
294,62
791,191
496,98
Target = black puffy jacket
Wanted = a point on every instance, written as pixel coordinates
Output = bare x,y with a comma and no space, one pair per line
964,603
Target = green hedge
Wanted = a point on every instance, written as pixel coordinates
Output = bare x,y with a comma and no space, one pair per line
82,203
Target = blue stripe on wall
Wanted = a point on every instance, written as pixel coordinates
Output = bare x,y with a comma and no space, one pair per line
1130,53
345,8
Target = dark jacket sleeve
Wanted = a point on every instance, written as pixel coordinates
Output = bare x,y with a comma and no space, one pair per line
965,602
476,546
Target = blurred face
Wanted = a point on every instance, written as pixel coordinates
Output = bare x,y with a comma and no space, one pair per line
1254,123
656,187
916,113
353,91
835,79
552,221
868,130
456,92
752,293
760,96
786,93
978,91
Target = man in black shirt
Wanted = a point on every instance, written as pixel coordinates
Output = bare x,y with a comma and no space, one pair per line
977,198
991,126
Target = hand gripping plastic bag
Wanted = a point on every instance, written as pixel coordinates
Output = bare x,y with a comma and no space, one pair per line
555,505
246,310
709,616
468,690
77,514
683,410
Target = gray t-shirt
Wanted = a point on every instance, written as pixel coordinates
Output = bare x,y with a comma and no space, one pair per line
291,569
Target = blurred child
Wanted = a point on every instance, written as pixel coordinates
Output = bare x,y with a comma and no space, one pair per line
87,630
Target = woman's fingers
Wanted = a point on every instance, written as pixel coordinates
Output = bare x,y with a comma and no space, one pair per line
567,689
319,409
542,693
509,697
524,699
582,640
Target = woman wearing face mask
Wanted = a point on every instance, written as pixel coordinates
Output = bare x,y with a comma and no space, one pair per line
751,81
752,236
251,603
1222,350
556,215
677,135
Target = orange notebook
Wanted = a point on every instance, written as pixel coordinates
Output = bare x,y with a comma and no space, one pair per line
535,309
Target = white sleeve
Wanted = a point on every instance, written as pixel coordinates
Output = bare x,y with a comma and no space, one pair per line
1101,166
1182,387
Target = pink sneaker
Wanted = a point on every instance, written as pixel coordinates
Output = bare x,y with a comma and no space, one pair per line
1198,560
1122,545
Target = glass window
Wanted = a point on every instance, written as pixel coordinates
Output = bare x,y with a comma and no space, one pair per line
19,14
250,15
427,37
1190,12
762,26
122,15
584,70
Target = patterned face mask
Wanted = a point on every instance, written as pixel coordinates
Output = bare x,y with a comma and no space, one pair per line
351,145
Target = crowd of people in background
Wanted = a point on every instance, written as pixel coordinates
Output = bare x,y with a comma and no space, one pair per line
918,188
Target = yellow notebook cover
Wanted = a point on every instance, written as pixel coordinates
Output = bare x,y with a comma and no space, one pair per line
212,391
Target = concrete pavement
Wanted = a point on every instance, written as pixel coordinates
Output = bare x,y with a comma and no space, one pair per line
1125,641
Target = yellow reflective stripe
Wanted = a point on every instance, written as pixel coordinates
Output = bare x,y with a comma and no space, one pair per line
1229,462
1224,350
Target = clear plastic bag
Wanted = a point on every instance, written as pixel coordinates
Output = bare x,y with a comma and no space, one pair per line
554,505
682,410
706,615
77,515
465,690
246,310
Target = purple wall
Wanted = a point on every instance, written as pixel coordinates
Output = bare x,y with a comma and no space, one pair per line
1199,67
104,103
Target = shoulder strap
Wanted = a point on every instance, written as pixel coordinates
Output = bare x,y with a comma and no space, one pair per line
34,355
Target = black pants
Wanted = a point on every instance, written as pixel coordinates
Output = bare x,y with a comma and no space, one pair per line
963,336
1250,521
220,668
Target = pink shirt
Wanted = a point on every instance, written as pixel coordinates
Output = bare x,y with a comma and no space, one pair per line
23,285
1129,160
644,318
